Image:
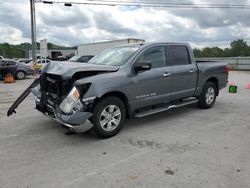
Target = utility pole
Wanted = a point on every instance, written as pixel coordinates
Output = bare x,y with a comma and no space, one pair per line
33,30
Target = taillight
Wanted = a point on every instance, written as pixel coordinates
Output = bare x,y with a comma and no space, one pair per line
227,68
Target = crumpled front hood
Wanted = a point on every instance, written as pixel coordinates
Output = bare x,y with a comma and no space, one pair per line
67,69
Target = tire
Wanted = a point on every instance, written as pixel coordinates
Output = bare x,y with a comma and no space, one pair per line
108,117
20,75
208,96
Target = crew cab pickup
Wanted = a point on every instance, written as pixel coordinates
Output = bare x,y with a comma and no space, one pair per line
127,81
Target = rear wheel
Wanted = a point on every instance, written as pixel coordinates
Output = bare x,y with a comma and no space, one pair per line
108,116
20,75
208,95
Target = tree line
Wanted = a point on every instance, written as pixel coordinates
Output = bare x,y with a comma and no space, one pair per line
22,50
237,48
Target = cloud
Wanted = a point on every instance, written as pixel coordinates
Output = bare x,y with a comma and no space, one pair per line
83,24
64,18
207,18
105,21
14,20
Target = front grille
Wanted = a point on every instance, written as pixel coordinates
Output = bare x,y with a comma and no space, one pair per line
54,85
53,88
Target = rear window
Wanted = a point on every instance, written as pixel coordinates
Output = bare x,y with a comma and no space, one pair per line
8,63
179,55
12,63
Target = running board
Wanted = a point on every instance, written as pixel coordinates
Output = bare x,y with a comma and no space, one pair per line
162,109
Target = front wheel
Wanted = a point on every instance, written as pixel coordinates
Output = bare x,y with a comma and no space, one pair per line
208,96
108,116
20,75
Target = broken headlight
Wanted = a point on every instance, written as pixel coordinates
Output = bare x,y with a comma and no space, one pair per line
72,101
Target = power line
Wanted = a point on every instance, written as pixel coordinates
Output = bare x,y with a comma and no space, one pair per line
149,4
170,3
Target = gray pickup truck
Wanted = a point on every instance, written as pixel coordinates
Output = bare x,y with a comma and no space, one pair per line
124,82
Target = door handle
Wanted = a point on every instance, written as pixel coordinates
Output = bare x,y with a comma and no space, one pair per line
167,74
191,70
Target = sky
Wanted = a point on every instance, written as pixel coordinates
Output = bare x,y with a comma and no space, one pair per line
81,24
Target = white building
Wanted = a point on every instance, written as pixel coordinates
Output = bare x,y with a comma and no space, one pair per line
95,48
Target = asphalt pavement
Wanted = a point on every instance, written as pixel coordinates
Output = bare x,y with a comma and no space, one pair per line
185,147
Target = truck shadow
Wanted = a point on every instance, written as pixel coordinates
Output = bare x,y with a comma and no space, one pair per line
155,119
131,125
148,121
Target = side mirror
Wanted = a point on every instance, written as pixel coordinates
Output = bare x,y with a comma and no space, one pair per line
142,66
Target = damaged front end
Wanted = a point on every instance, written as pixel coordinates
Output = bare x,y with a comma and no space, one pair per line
59,97
61,101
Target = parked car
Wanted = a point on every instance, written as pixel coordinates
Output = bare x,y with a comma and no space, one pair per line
125,82
70,55
60,58
43,61
82,59
18,70
40,63
24,60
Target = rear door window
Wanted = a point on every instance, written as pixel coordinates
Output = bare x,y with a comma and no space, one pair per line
179,55
10,63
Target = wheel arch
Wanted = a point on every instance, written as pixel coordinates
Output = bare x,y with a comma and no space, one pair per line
122,97
215,81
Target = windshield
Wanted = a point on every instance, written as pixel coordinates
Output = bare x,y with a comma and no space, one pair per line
114,56
74,58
